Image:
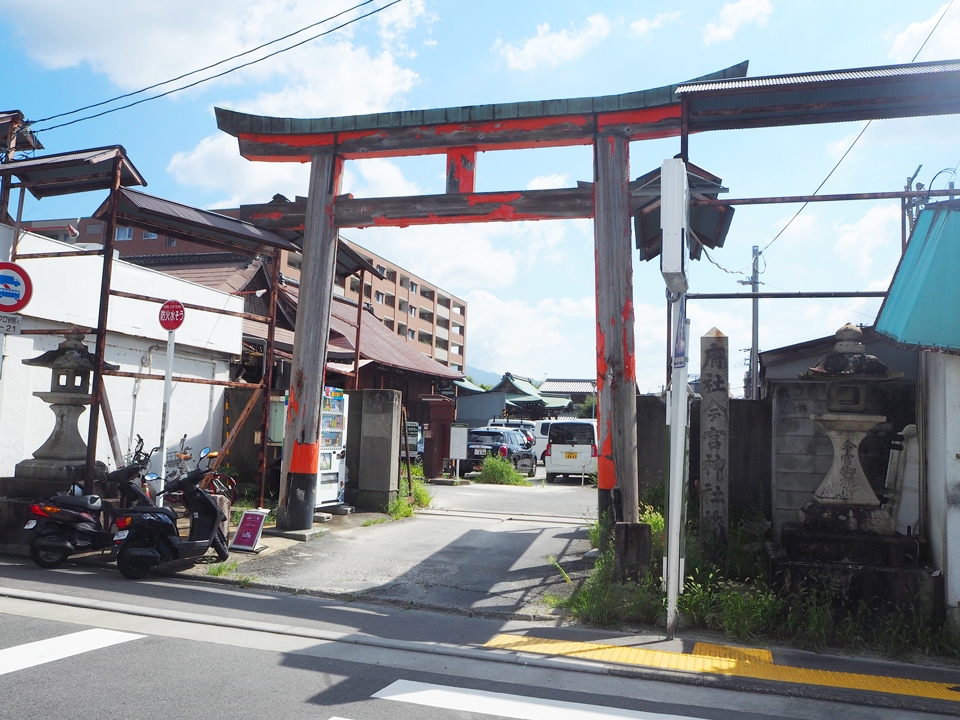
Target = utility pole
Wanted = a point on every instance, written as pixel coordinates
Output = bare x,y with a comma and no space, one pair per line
754,283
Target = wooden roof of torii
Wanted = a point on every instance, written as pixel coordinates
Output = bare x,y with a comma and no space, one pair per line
653,113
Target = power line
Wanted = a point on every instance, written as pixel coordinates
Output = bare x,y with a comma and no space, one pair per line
225,72
859,135
208,67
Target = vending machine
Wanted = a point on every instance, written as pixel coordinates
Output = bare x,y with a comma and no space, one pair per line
332,469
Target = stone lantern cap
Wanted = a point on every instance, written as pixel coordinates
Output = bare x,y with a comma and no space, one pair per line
71,354
849,360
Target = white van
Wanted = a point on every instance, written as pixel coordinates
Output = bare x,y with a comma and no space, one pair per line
571,448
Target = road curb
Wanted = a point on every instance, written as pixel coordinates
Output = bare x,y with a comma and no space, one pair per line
705,680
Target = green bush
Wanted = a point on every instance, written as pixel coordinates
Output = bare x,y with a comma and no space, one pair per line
400,507
422,497
499,471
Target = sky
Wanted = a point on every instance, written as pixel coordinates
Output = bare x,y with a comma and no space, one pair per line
529,286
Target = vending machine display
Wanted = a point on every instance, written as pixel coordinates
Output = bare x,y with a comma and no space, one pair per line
332,469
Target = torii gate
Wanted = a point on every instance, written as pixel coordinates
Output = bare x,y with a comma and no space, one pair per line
608,123
720,101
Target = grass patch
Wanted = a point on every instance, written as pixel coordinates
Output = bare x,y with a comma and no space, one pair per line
499,471
221,569
739,603
377,521
400,507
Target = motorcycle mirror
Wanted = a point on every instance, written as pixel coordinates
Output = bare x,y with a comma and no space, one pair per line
204,453
150,477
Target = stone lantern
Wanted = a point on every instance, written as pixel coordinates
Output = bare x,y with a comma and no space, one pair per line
845,498
63,456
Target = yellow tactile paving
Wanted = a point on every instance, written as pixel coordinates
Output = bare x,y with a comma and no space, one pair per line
726,660
733,652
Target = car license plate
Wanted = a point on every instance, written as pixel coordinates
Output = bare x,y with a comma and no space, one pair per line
121,535
570,456
479,451
31,524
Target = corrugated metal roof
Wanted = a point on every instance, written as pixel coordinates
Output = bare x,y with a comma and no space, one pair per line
829,76
568,386
891,91
73,172
229,277
156,214
919,308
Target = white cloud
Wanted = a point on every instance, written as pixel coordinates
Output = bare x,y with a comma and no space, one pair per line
944,44
377,177
558,338
857,242
643,26
396,21
837,148
549,49
733,15
215,165
548,182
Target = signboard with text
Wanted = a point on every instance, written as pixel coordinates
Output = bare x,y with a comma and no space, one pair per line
249,530
171,315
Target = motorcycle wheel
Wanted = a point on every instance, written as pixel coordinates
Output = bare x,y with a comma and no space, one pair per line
220,546
130,567
48,559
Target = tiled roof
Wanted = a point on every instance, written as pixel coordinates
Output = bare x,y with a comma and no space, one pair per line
228,277
551,385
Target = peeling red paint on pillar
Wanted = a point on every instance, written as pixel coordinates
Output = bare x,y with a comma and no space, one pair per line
606,467
629,357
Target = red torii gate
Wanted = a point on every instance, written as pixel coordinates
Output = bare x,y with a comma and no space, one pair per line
608,123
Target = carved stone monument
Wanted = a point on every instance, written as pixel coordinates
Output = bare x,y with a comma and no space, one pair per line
714,444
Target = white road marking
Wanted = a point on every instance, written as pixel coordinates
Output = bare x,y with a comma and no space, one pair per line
511,706
44,651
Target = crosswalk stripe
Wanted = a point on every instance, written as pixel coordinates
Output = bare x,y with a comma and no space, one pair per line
44,651
504,705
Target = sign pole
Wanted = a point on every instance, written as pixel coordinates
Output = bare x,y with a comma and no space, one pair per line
171,317
165,418
674,258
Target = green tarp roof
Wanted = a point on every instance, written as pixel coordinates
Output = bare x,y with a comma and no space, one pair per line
920,308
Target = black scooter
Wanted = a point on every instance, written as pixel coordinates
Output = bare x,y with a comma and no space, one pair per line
68,524
147,537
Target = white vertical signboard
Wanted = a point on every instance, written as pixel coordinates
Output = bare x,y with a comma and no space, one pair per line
674,256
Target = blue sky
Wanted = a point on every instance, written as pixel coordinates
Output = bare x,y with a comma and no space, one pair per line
529,285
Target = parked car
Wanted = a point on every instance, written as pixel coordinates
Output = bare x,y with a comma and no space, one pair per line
543,437
508,444
527,427
572,448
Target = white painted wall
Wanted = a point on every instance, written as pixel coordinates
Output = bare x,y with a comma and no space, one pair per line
67,290
942,440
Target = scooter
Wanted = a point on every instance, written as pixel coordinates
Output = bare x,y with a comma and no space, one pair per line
69,523
148,537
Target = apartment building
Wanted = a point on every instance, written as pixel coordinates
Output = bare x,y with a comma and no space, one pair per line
427,317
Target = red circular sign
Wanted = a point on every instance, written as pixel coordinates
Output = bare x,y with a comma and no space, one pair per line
171,315
15,287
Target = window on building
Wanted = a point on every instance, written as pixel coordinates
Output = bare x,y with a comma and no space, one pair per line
94,229
378,297
413,311
458,329
171,242
455,349
391,276
411,334
367,290
404,281
381,269
338,281
388,323
354,285
413,287
123,233
147,235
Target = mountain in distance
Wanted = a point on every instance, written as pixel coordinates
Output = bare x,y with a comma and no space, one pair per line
482,377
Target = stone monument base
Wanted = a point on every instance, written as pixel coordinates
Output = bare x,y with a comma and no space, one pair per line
820,517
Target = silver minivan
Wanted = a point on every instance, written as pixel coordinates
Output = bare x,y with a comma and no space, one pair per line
571,448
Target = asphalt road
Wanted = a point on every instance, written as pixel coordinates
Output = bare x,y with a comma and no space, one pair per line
170,648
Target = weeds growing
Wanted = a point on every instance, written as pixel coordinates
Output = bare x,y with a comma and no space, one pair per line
221,569
499,471
738,602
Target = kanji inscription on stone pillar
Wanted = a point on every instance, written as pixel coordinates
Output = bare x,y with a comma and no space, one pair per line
714,444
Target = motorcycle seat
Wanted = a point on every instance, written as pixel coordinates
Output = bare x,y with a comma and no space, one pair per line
125,473
87,503
165,510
